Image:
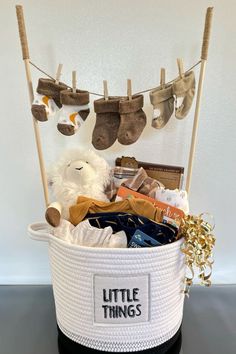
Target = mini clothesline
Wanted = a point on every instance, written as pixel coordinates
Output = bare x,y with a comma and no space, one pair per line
102,95
202,62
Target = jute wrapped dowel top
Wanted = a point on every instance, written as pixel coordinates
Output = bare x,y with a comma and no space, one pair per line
207,32
22,32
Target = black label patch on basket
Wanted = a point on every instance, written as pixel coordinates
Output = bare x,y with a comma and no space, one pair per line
121,300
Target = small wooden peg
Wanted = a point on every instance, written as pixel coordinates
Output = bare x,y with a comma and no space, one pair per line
74,81
105,90
129,89
58,74
180,67
163,78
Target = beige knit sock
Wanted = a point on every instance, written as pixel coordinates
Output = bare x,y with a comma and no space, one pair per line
184,90
163,106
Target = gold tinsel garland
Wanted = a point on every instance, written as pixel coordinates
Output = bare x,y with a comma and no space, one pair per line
197,247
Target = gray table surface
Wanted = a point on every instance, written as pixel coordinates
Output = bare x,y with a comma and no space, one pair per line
28,323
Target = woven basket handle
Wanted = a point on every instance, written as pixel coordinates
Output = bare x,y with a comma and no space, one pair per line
39,231
207,33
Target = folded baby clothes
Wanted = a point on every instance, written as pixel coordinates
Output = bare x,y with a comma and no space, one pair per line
130,223
143,184
132,205
63,230
84,234
177,198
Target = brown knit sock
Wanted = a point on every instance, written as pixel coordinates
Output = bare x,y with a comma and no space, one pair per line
163,106
74,111
47,99
107,122
184,90
132,120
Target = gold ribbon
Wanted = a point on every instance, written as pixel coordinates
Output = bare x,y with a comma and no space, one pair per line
197,247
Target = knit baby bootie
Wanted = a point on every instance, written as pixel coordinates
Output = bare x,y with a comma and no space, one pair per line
132,120
163,106
47,99
74,111
107,122
184,90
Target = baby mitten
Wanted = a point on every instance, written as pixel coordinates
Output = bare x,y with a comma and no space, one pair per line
132,120
74,111
107,122
184,90
47,99
163,106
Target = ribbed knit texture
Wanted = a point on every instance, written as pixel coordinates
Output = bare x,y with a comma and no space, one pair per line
73,269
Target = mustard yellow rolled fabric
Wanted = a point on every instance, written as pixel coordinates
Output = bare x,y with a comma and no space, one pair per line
132,205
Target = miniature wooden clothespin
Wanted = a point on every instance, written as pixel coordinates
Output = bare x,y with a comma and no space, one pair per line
58,74
74,81
180,67
129,89
163,78
105,90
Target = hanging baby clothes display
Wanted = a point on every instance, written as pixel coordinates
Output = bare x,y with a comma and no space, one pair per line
122,257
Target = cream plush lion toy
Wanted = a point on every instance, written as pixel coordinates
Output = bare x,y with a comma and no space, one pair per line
77,173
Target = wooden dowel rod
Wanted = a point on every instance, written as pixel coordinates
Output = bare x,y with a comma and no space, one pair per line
205,45
207,33
195,126
22,32
26,57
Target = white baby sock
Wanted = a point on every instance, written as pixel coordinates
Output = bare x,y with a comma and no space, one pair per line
47,99
70,120
74,111
50,106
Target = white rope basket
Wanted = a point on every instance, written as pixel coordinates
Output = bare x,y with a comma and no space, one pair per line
112,299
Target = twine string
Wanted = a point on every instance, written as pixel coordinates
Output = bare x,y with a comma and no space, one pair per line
101,95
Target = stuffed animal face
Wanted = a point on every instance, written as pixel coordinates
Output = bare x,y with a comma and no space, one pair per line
80,172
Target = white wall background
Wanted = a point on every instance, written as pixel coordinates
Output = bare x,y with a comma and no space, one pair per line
116,40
